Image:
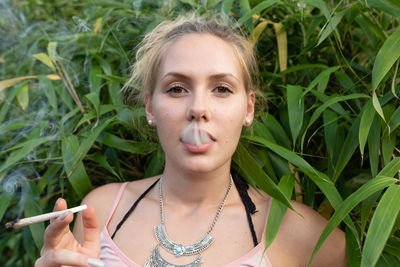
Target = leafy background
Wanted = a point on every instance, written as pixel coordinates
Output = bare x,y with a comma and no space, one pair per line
326,132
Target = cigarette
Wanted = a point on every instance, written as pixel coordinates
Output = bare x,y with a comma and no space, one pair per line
41,218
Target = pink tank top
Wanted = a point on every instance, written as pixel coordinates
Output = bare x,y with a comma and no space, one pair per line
112,256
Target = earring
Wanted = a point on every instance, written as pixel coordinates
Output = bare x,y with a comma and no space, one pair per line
150,122
248,121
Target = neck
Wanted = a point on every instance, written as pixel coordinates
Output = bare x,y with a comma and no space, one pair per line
195,188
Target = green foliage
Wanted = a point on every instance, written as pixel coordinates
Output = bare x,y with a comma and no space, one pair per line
326,132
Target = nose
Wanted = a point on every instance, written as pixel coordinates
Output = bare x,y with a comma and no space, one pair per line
198,106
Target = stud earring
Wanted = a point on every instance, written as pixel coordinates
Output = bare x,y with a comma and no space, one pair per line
248,121
150,122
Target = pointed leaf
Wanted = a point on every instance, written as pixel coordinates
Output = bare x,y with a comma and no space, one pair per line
278,210
295,109
256,10
365,124
386,57
23,96
348,204
44,58
381,225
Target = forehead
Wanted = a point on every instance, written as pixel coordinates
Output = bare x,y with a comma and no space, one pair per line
200,54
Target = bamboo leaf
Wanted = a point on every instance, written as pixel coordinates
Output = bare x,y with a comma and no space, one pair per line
5,199
77,176
125,145
374,144
386,57
347,151
295,109
45,59
385,6
365,124
348,204
226,7
330,26
381,226
377,106
278,210
25,148
52,50
23,96
10,82
324,74
89,140
281,40
256,10
250,170
32,208
258,31
353,250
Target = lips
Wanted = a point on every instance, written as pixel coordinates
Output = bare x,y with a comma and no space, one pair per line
193,134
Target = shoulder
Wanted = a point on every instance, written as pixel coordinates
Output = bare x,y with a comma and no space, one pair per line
303,233
103,198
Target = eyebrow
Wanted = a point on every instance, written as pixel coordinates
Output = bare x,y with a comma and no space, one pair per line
187,78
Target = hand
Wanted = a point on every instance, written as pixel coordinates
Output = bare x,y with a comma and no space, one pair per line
60,246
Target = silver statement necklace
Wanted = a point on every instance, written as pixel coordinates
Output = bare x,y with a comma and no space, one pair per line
180,249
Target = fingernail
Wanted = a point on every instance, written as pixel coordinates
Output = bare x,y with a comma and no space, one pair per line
63,215
95,262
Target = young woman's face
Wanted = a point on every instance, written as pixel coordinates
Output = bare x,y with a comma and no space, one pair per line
199,82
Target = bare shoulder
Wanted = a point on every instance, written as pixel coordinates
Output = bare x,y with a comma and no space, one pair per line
103,197
301,234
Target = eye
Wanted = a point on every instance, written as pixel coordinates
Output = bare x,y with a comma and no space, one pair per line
222,90
176,90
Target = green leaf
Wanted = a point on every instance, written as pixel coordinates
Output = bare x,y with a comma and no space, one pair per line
95,78
250,170
323,75
385,6
278,210
226,7
77,176
5,199
374,144
32,208
256,10
330,26
44,58
47,87
52,50
25,148
348,204
365,124
353,250
386,57
125,145
23,97
94,98
381,226
348,148
295,104
89,140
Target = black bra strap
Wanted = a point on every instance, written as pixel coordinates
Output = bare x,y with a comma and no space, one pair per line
242,187
133,207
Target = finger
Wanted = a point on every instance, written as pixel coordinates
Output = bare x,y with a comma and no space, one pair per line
92,229
61,204
56,258
57,229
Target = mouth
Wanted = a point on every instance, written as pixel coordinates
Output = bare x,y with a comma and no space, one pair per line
194,135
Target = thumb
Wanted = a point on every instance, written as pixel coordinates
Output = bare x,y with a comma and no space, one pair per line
91,229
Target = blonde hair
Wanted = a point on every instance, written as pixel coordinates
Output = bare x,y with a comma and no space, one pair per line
154,45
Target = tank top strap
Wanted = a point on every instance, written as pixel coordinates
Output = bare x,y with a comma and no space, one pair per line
116,202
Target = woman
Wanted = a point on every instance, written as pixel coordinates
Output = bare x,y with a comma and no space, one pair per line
198,92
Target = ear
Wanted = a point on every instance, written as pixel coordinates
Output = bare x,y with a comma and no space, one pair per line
149,110
251,99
